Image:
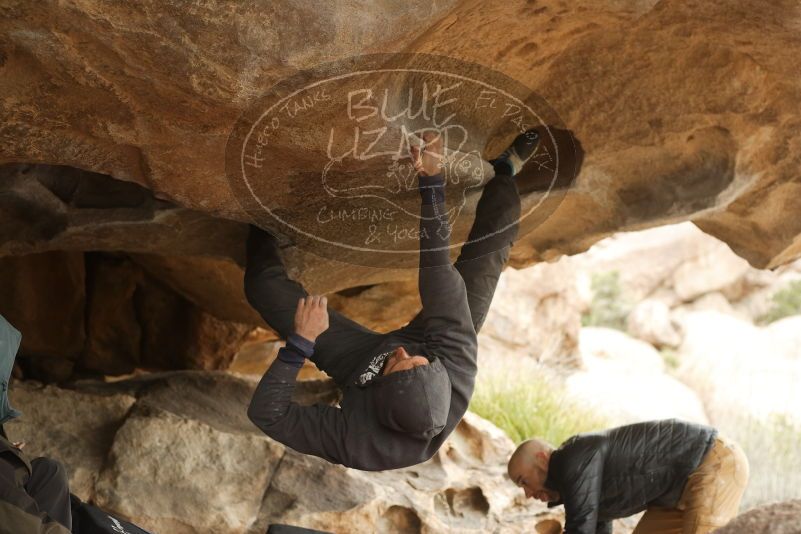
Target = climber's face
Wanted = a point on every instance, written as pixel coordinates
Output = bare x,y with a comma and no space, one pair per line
400,360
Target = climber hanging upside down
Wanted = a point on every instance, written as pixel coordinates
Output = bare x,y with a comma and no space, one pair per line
405,391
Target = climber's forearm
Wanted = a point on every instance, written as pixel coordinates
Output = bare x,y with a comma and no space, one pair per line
273,395
446,313
319,429
434,226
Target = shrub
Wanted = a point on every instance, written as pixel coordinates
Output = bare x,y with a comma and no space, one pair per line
785,302
608,308
528,404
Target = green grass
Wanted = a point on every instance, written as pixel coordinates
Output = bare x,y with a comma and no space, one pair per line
527,404
785,302
609,307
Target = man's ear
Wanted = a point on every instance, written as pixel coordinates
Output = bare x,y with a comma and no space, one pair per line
542,460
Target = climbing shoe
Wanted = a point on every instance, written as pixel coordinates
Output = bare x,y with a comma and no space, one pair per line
512,159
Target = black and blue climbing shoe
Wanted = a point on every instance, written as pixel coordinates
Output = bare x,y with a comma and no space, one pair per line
512,159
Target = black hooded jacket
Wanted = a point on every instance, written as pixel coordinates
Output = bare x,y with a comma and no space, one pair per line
403,418
602,476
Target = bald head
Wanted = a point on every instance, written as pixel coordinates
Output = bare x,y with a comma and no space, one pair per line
528,468
526,452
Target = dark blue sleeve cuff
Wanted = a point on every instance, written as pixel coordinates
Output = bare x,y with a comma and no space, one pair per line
296,351
300,344
291,357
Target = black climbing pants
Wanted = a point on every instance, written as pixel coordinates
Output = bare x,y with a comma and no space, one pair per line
44,490
346,344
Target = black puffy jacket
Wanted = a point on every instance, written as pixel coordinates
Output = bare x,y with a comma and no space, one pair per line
602,476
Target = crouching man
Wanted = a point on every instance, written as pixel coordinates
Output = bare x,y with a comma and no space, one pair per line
34,494
687,478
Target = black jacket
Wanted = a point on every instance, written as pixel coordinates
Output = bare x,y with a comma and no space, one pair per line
616,473
403,418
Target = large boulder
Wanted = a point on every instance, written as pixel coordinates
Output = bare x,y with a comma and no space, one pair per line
175,452
625,380
737,366
150,96
711,270
650,321
179,475
536,313
74,427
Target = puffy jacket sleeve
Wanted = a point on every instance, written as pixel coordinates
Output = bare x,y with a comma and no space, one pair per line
449,332
319,430
581,492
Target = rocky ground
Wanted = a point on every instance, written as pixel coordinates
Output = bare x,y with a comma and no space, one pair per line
175,453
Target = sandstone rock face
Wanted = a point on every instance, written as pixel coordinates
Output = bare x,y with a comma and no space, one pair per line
76,428
176,334
109,81
102,313
182,476
624,379
212,284
44,296
115,336
536,312
175,452
650,321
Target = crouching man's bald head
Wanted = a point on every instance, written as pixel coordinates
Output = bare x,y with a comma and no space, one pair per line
528,469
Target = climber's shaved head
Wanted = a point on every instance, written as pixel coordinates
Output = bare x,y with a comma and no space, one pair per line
528,469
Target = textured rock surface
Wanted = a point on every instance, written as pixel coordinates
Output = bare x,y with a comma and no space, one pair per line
113,331
183,476
148,95
536,313
77,428
650,321
629,375
175,452
102,313
44,296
